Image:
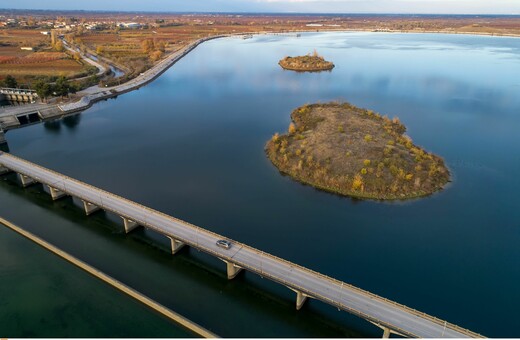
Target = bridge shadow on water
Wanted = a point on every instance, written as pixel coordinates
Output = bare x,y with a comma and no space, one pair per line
191,283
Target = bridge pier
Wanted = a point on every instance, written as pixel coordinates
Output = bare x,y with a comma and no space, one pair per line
232,270
56,194
387,331
129,224
176,245
300,298
89,207
26,180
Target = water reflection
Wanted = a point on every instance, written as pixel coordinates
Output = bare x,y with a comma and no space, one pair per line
71,122
53,126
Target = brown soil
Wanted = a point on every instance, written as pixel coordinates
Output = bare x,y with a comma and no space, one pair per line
306,63
355,152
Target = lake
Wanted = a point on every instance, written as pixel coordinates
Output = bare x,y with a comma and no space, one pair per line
191,144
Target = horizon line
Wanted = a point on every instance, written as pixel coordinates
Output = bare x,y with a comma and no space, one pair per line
253,12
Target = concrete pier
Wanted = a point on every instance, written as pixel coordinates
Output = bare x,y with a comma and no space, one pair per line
89,207
26,180
56,194
176,245
129,224
300,300
232,270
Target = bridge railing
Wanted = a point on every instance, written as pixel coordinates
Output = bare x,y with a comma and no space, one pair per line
260,252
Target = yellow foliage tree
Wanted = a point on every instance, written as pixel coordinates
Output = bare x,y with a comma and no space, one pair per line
292,128
357,183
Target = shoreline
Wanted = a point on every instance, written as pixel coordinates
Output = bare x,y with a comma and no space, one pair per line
353,195
177,318
92,95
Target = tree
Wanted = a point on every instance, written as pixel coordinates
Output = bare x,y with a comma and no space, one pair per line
156,55
62,86
43,89
148,45
58,46
292,128
10,82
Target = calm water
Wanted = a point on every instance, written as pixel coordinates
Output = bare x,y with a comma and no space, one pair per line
191,144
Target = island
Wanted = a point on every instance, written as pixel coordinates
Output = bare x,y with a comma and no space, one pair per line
306,63
355,152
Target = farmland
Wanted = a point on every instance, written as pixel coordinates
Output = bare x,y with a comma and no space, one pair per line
27,66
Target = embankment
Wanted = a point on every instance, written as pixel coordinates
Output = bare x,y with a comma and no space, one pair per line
190,325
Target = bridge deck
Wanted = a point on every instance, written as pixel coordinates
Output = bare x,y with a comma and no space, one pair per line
371,307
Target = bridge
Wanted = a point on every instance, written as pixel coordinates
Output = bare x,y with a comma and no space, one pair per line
390,316
18,95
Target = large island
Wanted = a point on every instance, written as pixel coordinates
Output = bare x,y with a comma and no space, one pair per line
355,152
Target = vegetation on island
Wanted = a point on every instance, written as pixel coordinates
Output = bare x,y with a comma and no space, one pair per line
306,63
355,152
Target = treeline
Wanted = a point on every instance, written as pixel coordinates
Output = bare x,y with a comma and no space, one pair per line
61,87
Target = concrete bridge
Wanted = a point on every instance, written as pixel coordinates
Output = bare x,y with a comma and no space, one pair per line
390,316
18,95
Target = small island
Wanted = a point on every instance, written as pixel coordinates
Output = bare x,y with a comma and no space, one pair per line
350,151
306,63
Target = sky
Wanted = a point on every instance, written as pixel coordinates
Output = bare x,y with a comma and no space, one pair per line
280,6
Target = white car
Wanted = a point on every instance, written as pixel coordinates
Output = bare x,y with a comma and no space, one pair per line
224,244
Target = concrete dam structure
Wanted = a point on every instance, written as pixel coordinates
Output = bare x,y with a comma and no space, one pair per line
388,315
18,95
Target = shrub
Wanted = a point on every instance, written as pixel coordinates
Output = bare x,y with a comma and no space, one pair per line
363,171
368,138
341,129
357,183
292,128
366,162
275,137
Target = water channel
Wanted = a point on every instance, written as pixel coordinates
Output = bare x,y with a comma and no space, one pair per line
191,144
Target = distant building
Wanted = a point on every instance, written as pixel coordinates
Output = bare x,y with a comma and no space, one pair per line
314,25
45,32
131,25
27,48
